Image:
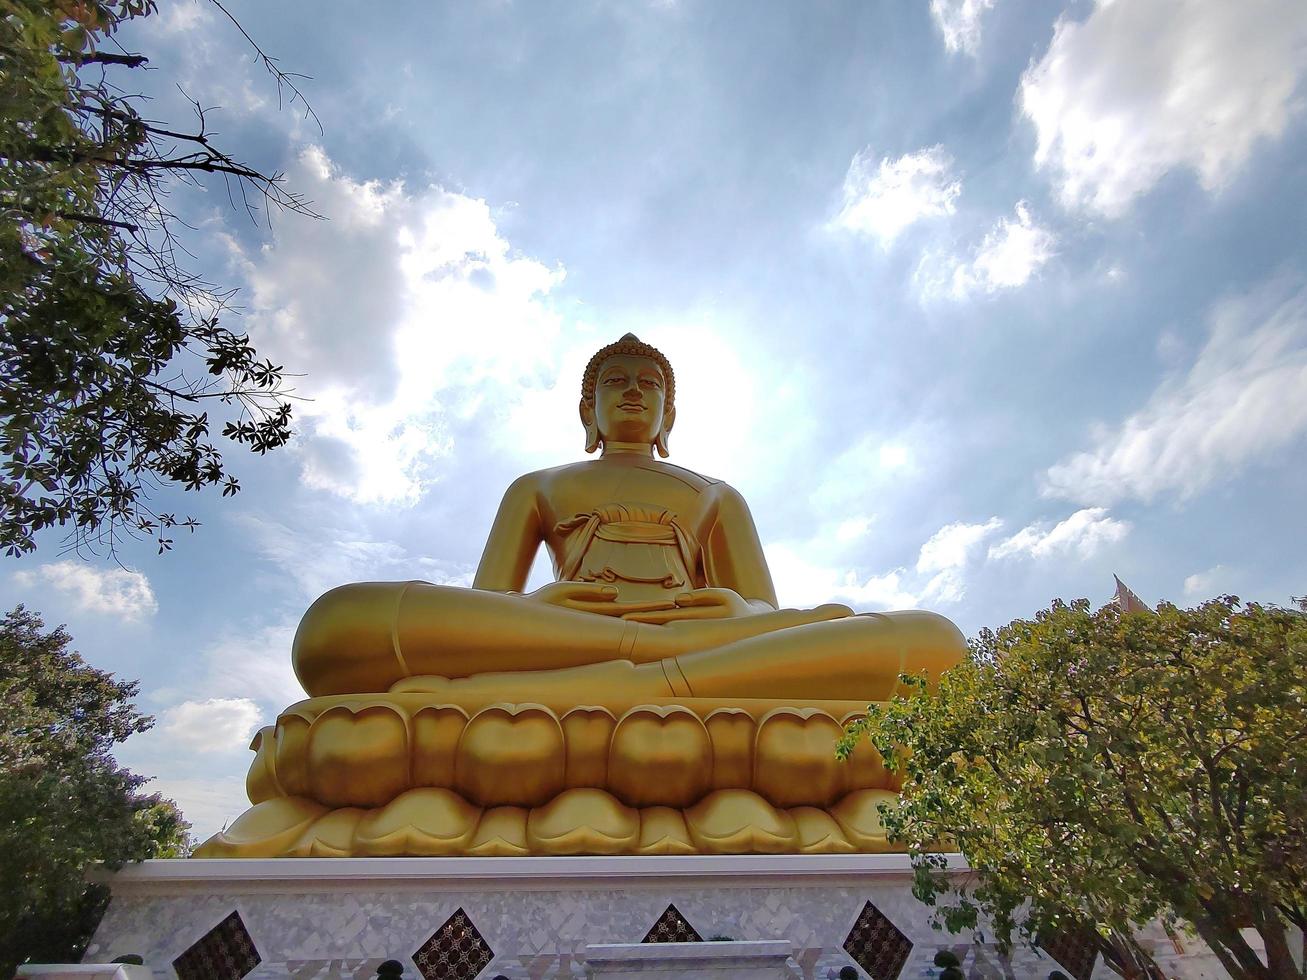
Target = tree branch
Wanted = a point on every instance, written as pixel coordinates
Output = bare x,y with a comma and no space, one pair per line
106,58
283,78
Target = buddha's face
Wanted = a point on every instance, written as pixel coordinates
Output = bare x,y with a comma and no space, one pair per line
630,400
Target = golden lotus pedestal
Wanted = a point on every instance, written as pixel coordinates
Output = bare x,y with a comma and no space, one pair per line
401,775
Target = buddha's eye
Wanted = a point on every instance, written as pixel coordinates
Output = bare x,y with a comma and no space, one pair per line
649,383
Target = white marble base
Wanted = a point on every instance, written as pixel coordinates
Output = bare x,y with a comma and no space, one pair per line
763,960
82,971
332,918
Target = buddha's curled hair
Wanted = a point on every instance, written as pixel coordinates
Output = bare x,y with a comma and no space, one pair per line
632,345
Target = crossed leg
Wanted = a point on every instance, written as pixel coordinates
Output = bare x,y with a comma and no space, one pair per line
847,658
363,638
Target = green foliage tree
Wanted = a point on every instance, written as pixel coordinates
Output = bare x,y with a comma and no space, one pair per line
111,353
64,802
1109,768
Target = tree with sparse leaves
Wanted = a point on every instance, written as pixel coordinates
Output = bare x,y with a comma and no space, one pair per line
112,355
64,802
1105,769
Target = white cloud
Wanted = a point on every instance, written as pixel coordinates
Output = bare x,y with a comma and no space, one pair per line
853,528
1204,584
951,545
938,576
803,583
1081,535
211,725
946,554
1011,252
182,17
400,311
1139,89
882,199
115,591
894,457
959,22
1244,399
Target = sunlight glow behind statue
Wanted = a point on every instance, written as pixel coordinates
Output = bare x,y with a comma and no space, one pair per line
652,699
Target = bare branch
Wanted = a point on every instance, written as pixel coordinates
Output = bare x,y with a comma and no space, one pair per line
283,78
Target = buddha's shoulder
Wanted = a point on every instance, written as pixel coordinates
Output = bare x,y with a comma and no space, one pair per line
589,470
538,480
696,481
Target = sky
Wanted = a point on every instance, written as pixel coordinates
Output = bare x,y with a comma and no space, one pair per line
976,302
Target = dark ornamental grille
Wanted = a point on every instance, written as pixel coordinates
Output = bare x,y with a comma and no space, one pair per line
877,946
1073,946
455,951
671,927
225,952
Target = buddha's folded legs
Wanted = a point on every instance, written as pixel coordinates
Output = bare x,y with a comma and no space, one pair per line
860,657
853,658
366,636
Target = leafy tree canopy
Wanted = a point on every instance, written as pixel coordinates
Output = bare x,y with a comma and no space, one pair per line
64,802
112,354
1109,768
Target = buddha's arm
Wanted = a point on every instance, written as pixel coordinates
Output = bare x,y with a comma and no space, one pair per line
732,554
514,539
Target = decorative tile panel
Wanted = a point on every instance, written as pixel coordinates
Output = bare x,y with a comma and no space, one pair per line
877,945
541,932
225,952
671,927
1074,946
455,951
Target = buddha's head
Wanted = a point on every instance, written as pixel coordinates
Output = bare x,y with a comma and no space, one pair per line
628,395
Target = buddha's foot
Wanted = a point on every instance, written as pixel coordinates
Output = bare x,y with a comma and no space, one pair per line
592,682
690,636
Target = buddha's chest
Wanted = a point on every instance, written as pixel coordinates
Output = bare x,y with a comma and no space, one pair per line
638,531
591,489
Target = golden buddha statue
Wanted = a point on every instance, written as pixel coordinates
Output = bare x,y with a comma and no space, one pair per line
652,699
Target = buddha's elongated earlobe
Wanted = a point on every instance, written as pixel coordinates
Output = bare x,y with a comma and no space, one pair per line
592,438
660,440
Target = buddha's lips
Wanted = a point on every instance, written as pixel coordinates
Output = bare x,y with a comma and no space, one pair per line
631,406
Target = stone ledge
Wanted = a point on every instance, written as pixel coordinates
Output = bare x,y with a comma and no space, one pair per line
236,875
726,960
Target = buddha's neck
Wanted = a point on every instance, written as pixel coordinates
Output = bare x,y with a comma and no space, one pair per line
626,449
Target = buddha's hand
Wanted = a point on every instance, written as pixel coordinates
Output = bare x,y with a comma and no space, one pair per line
699,604
591,598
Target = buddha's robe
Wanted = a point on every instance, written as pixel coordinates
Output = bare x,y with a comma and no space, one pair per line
643,550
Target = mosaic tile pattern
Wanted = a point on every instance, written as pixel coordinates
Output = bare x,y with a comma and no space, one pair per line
877,945
455,951
671,927
345,932
225,952
1073,946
